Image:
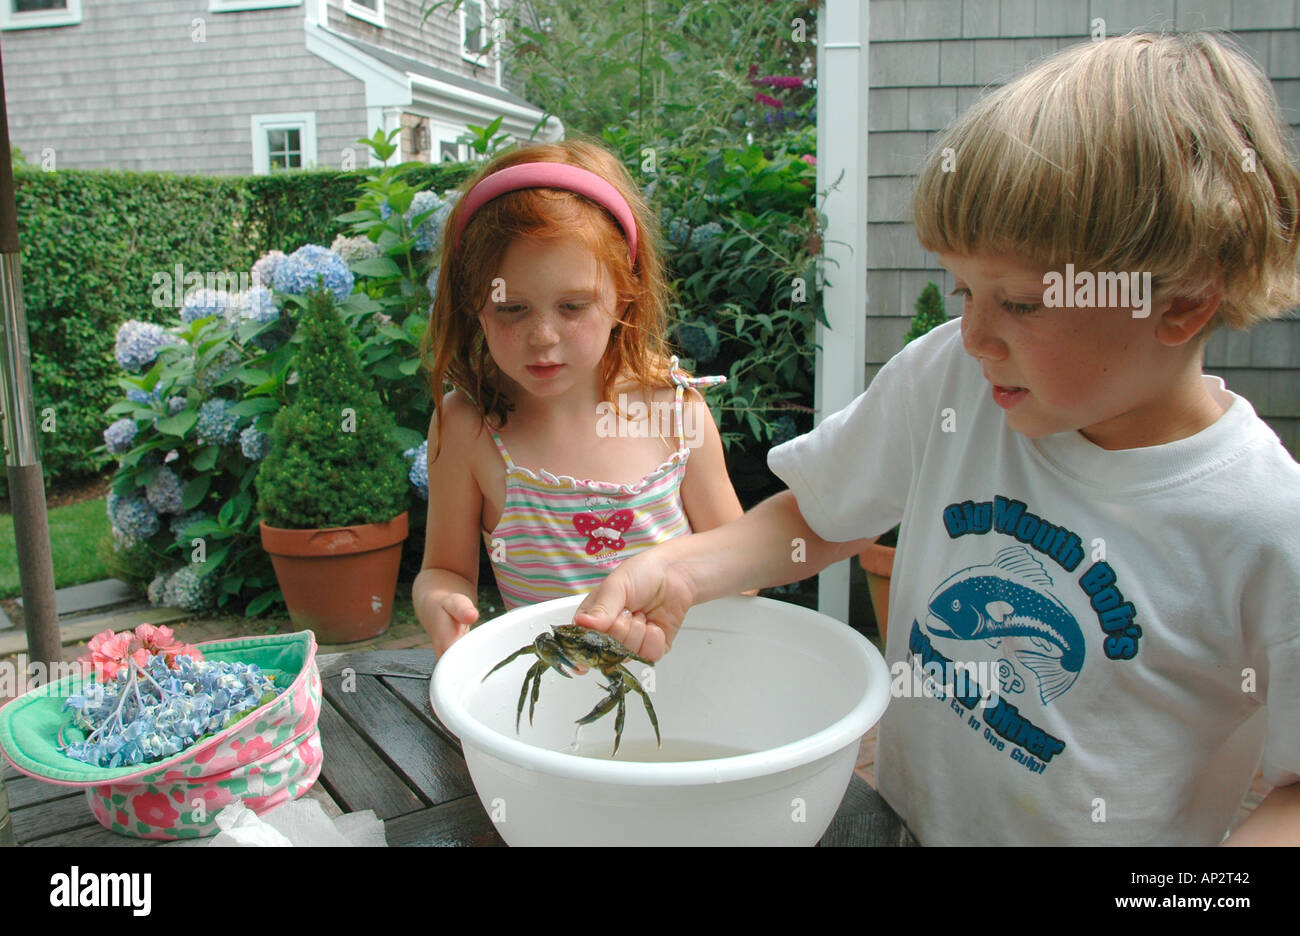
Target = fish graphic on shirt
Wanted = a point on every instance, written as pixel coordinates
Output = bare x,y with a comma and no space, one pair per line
1010,597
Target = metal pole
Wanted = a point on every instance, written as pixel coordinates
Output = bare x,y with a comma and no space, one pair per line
18,425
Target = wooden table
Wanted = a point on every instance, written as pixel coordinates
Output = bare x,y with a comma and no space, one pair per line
386,750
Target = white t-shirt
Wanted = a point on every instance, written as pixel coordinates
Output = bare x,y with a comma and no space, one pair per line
1127,609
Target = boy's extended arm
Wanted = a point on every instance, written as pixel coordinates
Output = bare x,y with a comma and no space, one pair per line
770,545
1275,821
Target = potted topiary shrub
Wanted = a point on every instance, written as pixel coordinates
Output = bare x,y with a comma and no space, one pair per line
332,489
878,558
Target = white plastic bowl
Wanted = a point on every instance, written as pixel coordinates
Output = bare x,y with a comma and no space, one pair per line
793,689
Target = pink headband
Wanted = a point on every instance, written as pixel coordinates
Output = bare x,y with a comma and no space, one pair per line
550,175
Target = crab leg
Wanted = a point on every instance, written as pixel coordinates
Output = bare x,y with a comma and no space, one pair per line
631,682
518,653
534,673
537,687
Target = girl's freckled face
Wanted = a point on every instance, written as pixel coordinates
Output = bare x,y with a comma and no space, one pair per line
1096,370
558,309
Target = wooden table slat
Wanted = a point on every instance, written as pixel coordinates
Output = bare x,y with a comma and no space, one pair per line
356,777
27,791
71,811
415,750
416,694
460,822
417,664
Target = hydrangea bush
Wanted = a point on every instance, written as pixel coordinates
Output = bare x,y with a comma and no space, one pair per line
202,396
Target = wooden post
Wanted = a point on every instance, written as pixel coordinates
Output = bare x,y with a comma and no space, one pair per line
18,428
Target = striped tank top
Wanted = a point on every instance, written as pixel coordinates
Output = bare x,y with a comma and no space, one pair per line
559,535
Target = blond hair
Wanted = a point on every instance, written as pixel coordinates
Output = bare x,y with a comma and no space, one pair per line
454,349
1161,153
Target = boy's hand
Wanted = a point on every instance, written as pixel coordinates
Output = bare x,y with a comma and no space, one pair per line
453,615
641,604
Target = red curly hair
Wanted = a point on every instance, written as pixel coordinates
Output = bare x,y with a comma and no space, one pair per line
454,349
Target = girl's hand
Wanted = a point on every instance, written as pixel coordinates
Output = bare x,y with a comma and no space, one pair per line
641,604
453,615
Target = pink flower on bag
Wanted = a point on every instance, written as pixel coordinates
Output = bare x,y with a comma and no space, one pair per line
109,652
154,809
253,749
154,639
161,641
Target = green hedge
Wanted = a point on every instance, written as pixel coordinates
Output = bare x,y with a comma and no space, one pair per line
92,243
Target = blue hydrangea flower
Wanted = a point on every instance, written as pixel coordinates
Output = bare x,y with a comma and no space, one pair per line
189,591
120,436
428,235
301,270
432,282
254,444
263,272
138,344
706,232
164,492
352,249
176,404
156,588
419,473
218,422
151,398
132,519
202,303
180,523
144,715
259,306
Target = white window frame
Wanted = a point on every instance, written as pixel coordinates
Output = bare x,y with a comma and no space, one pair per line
238,6
375,17
489,18
304,122
38,19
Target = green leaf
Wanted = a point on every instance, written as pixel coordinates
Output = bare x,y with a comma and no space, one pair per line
206,458
255,406
197,489
262,602
253,376
377,266
409,366
179,424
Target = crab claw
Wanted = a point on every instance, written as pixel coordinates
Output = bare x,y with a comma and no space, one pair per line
549,651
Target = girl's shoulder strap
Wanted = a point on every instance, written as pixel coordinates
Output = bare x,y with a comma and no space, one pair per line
682,380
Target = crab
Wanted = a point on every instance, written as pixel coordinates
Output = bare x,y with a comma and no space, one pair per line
570,645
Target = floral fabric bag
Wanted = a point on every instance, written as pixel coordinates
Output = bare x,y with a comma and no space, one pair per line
270,755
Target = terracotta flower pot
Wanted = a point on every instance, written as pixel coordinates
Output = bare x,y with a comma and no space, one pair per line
879,562
340,582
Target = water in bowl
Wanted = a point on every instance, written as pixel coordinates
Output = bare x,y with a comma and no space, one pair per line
646,751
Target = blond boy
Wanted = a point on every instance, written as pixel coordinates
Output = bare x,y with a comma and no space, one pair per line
1106,538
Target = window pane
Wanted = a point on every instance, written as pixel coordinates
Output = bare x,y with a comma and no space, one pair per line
275,140
293,139
473,27
368,4
23,6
